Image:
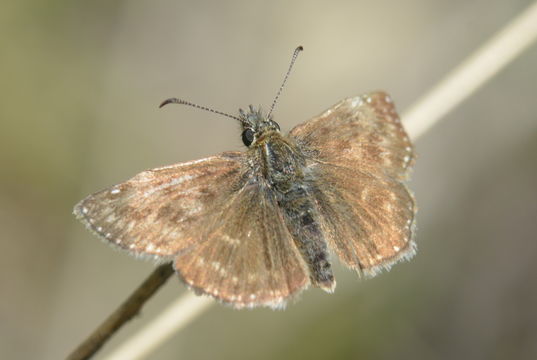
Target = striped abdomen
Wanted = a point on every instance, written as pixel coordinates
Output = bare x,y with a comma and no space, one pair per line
285,172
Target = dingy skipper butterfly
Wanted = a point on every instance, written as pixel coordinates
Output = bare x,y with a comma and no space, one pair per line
255,228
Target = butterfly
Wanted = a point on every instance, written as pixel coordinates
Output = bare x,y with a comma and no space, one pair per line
255,228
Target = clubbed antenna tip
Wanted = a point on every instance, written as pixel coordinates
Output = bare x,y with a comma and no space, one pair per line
169,101
295,54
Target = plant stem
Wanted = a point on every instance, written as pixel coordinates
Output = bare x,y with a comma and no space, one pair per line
124,313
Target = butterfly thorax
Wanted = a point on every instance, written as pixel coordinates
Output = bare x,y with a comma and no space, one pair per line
283,164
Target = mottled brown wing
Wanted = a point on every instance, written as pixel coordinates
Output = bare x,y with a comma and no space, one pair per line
361,132
160,212
218,221
368,220
248,257
359,152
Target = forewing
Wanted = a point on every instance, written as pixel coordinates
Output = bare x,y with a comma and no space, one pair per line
362,132
368,219
248,257
160,212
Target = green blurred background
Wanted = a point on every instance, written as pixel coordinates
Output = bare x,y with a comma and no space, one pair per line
80,86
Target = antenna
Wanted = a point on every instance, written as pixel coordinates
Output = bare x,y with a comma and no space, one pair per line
295,54
183,102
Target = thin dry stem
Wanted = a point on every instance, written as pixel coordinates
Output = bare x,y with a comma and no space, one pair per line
124,313
176,316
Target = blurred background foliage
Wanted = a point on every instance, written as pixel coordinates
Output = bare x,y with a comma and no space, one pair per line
80,86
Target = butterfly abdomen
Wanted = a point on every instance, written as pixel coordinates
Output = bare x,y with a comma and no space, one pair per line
301,220
285,174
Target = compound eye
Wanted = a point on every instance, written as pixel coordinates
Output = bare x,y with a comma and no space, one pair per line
248,137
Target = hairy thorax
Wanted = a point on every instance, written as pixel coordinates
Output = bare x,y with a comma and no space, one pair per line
284,165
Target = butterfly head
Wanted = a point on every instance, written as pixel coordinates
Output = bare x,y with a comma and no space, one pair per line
255,125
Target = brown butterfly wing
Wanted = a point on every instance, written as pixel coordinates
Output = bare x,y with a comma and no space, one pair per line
218,221
358,153
369,219
364,132
248,257
159,212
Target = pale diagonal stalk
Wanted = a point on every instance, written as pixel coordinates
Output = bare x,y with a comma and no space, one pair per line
472,73
457,86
